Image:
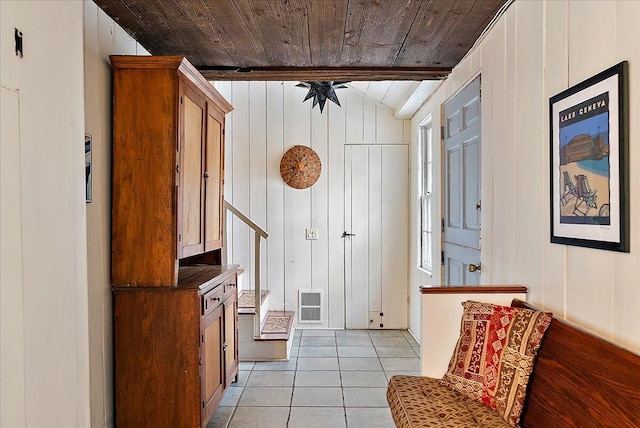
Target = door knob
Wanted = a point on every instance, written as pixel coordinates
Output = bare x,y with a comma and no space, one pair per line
345,234
473,268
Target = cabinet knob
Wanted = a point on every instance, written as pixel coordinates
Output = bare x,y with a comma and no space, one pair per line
216,299
206,175
224,346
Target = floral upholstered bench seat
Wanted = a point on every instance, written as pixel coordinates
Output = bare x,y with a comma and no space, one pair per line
418,401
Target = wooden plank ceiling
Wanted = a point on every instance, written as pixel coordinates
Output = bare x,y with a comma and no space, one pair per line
338,40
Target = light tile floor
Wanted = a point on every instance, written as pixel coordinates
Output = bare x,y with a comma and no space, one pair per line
334,379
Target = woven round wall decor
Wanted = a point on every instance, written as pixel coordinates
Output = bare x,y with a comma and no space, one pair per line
300,167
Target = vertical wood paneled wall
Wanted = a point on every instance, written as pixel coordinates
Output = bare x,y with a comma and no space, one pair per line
268,119
102,37
44,375
536,50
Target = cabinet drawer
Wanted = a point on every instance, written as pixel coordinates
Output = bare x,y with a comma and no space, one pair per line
212,300
229,288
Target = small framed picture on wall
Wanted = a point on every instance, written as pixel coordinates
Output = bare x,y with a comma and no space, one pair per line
87,165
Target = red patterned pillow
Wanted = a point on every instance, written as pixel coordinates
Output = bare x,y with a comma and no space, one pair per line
494,355
499,325
467,365
520,346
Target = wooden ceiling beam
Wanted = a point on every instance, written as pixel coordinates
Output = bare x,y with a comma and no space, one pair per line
337,74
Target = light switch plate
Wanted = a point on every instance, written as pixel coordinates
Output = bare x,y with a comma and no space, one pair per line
311,234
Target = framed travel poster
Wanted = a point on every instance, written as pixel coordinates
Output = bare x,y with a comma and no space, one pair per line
590,162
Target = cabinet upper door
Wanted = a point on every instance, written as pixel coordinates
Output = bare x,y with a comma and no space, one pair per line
214,159
193,111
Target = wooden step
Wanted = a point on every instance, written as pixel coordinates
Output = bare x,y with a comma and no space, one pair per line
277,325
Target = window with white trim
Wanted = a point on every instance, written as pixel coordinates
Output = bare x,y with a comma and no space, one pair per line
426,195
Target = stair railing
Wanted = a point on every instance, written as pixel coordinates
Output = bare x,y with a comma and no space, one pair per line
259,233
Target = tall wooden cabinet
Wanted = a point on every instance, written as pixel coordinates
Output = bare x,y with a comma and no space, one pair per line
168,168
175,305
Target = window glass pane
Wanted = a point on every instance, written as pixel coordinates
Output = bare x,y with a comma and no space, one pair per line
426,187
425,175
429,263
424,214
425,253
427,209
429,144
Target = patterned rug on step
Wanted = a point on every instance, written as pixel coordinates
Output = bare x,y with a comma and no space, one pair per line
247,299
276,324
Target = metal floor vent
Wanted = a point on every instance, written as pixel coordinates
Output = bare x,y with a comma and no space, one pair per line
310,306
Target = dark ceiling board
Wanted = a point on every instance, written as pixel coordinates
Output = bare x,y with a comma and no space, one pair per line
421,44
336,74
475,16
326,29
186,34
239,28
283,31
375,30
267,35
446,31
221,34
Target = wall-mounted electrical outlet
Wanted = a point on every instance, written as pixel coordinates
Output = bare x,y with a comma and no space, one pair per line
311,234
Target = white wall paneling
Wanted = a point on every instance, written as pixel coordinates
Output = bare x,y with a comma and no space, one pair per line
258,163
12,313
297,202
626,269
44,294
554,78
393,235
293,262
242,237
534,51
589,308
529,189
320,207
275,225
102,37
334,170
355,116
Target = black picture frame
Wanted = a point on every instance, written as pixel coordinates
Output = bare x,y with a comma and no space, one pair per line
88,164
589,166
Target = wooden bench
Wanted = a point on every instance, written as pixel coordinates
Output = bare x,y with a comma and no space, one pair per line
578,380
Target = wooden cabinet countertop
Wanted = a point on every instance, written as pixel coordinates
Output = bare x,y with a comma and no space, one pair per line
198,277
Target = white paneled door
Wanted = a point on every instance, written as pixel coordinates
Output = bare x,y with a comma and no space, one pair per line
462,187
376,236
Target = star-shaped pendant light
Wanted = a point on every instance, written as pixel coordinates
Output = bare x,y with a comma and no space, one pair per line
321,91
